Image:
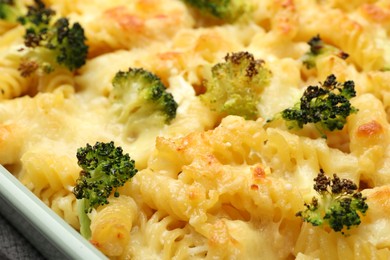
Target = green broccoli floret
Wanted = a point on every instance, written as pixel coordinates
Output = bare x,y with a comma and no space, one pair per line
318,48
51,43
235,85
138,94
37,22
340,205
104,169
326,105
11,10
228,10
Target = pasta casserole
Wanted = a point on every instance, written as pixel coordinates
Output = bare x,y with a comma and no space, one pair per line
271,102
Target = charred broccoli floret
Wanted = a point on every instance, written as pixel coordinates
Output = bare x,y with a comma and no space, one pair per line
104,169
36,21
235,85
340,206
317,48
51,43
326,105
228,10
138,94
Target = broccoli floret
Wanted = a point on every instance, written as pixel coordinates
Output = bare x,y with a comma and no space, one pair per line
140,94
340,205
235,85
68,44
228,10
326,105
10,10
318,48
104,169
37,23
51,43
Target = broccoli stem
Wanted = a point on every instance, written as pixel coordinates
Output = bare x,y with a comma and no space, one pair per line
85,221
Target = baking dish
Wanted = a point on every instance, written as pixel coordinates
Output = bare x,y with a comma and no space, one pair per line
50,234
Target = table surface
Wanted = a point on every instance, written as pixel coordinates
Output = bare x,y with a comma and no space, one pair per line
13,246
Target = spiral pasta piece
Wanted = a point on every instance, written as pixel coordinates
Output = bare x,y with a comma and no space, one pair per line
369,134
12,84
163,237
377,84
64,204
59,80
47,173
111,225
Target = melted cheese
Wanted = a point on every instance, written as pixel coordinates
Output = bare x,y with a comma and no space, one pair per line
208,186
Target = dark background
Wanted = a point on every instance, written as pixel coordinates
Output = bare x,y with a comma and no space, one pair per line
13,246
